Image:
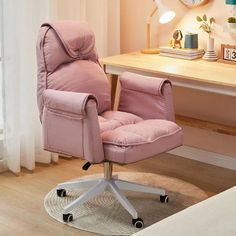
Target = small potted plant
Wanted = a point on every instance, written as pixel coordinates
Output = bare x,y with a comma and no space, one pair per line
232,22
206,26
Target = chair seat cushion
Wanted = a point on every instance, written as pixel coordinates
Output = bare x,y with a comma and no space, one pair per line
110,120
146,131
128,138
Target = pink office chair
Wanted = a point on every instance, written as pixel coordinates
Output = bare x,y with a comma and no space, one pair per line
75,110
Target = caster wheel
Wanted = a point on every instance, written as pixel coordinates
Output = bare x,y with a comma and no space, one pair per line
138,223
67,217
61,192
164,198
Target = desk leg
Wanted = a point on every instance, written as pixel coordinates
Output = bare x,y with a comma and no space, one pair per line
113,81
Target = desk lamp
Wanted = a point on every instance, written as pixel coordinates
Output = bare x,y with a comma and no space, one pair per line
165,15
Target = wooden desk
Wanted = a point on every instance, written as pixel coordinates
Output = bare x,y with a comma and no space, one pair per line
198,74
206,76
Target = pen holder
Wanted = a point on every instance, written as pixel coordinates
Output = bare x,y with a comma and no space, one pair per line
191,41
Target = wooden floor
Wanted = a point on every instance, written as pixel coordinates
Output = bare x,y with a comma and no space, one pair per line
21,198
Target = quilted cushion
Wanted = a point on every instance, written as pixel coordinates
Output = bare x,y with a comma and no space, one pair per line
145,131
128,138
110,120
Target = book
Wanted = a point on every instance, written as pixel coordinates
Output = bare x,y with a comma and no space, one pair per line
187,57
180,51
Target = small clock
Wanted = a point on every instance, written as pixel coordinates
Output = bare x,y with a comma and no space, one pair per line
194,3
228,54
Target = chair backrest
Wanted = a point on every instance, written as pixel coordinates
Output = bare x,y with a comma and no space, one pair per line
68,61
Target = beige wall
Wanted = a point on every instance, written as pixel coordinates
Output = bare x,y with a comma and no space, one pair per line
113,27
133,27
202,105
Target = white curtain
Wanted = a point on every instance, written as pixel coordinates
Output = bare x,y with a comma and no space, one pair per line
103,17
21,22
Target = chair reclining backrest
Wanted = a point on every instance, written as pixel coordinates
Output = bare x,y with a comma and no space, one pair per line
68,61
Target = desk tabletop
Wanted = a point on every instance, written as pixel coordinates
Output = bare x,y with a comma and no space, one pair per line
198,70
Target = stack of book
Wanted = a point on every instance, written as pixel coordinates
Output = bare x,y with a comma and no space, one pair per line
188,54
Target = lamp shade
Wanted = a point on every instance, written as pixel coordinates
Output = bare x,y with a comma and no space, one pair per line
165,14
230,2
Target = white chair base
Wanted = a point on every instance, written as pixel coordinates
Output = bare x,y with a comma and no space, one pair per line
97,186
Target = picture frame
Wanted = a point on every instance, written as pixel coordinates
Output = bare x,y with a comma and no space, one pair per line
228,54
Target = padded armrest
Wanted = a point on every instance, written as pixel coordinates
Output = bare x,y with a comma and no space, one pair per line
70,125
147,97
66,101
143,84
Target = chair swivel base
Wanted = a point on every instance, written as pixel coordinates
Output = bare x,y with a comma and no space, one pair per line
97,186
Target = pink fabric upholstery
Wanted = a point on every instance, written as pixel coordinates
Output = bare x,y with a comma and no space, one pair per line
74,102
67,61
67,102
84,77
147,97
110,120
131,154
70,125
146,131
128,138
77,39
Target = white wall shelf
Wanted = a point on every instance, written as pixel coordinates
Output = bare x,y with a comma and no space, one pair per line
229,30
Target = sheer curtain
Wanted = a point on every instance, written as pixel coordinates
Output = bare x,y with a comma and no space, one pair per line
103,17
21,22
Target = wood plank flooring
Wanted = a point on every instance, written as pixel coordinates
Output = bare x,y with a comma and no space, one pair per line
21,197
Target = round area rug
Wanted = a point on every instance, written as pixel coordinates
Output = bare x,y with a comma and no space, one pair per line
104,215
